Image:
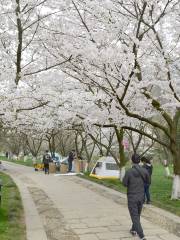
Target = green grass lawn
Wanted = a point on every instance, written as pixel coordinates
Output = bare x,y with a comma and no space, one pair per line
28,162
12,225
160,189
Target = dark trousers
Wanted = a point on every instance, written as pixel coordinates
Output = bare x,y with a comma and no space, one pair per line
69,165
46,168
147,193
135,208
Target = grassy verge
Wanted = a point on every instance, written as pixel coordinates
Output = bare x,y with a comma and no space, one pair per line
161,192
28,162
12,225
160,189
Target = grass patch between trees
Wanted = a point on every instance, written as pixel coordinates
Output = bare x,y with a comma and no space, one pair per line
28,162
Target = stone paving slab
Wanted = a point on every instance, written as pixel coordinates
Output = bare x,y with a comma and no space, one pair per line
34,226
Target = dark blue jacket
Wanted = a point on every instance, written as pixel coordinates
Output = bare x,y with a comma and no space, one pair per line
149,168
71,157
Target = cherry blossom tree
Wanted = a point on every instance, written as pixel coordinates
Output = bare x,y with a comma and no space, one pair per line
22,35
22,55
126,53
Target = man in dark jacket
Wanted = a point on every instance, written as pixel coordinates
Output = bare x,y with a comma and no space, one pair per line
134,180
148,166
70,160
46,161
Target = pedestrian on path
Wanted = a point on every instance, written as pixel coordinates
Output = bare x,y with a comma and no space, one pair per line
134,180
70,160
148,166
46,161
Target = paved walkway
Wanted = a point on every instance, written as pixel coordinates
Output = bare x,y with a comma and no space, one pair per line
68,208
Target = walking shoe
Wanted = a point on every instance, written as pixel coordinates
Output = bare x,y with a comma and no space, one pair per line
143,238
133,233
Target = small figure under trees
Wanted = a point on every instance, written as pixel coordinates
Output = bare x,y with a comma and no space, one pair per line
166,168
46,161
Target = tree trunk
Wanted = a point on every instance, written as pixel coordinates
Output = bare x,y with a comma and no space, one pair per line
122,173
174,147
176,187
120,135
176,180
76,144
167,171
53,145
20,40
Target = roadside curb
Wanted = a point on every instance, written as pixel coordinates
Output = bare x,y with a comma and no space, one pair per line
34,227
163,218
